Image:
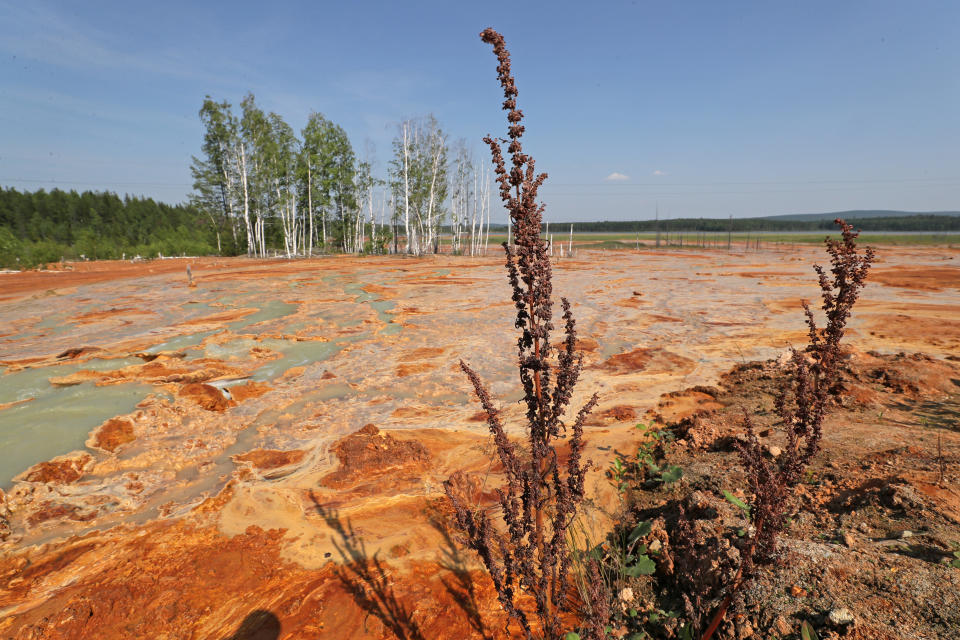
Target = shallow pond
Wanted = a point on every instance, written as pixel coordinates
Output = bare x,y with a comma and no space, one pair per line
57,420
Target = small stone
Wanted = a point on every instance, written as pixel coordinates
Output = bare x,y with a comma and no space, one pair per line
849,540
782,626
905,534
698,501
840,617
798,592
765,433
775,452
863,527
655,545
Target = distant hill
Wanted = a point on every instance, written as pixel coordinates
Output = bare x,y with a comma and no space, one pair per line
856,214
865,220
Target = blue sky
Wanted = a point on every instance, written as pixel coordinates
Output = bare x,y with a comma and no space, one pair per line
701,108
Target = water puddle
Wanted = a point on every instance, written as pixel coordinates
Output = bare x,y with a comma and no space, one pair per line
296,354
57,421
271,310
182,342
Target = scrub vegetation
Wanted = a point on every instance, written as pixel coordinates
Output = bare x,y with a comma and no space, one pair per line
531,551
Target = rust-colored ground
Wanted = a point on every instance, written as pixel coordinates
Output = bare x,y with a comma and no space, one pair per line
275,513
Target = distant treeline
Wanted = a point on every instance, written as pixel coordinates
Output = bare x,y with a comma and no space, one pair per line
41,227
922,222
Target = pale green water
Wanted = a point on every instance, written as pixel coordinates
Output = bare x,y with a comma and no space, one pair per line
30,383
57,420
180,342
379,305
270,310
296,354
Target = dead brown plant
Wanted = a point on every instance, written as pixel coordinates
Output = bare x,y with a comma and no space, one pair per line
526,552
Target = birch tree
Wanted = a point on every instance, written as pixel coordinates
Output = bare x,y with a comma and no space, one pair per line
214,175
253,153
418,179
281,154
461,197
331,164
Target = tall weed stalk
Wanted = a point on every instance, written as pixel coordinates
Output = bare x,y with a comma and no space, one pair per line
801,406
527,553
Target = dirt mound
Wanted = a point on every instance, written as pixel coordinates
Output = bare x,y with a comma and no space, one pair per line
248,390
179,581
205,395
112,435
619,413
878,509
271,458
368,453
161,369
76,352
61,470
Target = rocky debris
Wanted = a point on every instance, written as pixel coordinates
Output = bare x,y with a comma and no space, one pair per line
76,352
844,543
205,395
112,435
369,453
840,617
783,626
248,390
271,458
58,510
680,405
60,470
901,496
162,369
619,413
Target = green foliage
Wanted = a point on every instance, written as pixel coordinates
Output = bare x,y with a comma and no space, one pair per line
418,180
644,464
868,221
807,632
43,227
10,248
737,502
332,164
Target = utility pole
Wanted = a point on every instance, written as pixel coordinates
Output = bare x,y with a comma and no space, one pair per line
657,224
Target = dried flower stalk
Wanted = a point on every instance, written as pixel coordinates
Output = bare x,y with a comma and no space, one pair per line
529,553
801,406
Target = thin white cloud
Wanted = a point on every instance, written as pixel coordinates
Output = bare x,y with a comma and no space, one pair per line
33,31
616,177
658,172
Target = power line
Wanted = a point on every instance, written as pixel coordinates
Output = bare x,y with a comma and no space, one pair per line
609,188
